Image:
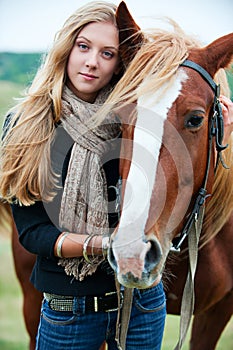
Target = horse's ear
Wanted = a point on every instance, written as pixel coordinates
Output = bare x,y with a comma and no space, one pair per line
218,54
221,51
130,36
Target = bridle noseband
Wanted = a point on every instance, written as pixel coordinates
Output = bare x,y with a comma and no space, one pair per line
216,129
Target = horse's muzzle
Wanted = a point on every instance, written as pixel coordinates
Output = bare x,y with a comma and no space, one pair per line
137,270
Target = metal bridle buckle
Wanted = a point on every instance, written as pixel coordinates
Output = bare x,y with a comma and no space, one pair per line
117,190
121,301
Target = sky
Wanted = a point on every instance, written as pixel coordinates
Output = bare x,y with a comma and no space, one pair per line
30,25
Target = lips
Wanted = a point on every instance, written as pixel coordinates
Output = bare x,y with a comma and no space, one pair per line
88,76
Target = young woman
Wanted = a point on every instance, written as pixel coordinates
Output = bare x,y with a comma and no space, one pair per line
58,173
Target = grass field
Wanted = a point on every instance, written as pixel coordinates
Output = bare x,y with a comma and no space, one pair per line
13,335
8,92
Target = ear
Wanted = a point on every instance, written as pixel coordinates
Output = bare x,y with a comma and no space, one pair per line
130,36
218,54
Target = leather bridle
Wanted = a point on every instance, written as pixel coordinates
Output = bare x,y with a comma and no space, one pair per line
193,226
216,130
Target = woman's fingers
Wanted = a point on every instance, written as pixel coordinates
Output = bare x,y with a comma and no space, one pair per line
227,112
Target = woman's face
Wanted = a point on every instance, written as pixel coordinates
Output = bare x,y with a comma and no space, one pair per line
93,60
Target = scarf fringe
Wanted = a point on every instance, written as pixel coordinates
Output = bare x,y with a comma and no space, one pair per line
79,268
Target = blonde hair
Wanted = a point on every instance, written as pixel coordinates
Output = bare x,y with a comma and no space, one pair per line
26,171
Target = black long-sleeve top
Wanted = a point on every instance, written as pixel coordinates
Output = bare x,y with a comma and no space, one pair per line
38,229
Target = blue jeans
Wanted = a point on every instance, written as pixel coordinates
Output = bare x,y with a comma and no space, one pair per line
78,330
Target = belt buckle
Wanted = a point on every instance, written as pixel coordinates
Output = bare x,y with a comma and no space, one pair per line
121,301
60,304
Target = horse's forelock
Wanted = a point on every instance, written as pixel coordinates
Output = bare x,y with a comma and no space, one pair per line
157,60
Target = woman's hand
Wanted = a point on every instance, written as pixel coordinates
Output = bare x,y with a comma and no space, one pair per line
227,112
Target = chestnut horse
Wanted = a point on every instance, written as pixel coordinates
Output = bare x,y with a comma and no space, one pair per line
171,171
171,146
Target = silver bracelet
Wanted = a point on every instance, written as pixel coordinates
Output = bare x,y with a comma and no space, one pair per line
105,245
60,242
85,245
93,245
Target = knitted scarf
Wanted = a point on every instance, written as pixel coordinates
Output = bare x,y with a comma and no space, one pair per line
84,204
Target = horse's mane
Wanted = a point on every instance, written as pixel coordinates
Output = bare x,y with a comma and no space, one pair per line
156,62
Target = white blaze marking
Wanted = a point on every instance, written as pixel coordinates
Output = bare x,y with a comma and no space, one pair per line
146,148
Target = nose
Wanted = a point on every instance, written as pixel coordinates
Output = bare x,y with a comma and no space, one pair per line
92,60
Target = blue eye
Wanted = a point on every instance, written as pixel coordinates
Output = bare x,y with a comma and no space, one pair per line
108,54
83,47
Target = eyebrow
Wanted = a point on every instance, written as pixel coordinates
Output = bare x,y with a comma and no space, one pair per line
106,47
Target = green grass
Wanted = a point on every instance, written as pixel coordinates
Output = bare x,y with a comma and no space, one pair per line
8,92
13,335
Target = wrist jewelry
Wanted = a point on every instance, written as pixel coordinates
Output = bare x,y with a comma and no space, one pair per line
60,242
85,245
93,245
105,245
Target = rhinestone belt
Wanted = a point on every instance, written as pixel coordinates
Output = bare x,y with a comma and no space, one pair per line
105,303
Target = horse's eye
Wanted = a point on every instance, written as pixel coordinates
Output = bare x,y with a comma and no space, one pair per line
193,121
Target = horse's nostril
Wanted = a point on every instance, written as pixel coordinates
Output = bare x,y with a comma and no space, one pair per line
153,256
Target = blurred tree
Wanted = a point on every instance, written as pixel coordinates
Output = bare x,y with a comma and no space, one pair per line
19,68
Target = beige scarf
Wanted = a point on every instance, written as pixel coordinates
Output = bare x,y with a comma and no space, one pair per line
84,204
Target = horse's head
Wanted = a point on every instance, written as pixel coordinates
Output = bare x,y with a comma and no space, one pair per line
165,150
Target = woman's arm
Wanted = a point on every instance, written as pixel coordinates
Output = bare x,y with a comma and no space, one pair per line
39,235
71,245
37,232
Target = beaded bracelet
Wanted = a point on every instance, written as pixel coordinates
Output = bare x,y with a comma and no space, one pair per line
60,242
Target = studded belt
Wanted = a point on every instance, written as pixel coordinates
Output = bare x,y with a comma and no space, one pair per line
105,303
